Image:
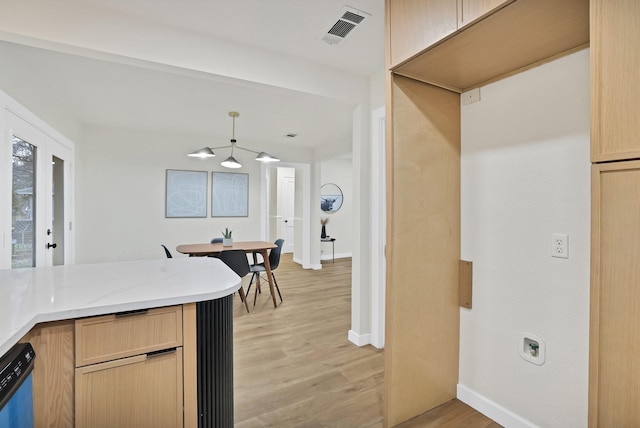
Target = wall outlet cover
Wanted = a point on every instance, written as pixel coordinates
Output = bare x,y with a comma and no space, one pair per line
531,348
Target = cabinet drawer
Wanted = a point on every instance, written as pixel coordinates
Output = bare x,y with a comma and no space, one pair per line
140,391
108,337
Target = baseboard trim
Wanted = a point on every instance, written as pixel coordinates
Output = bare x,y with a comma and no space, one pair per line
492,409
326,256
309,266
359,339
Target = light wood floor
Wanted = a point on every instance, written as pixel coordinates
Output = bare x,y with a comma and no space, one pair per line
294,366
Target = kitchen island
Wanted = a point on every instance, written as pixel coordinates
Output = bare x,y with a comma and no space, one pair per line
141,312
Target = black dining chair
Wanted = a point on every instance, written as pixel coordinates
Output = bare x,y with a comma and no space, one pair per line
215,241
166,251
237,261
258,268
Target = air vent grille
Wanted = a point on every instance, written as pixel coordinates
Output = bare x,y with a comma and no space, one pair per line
353,17
347,21
341,28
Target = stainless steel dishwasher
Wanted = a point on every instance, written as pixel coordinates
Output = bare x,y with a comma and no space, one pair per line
16,387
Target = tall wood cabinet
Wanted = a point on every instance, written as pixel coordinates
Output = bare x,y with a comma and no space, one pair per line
435,50
614,366
615,296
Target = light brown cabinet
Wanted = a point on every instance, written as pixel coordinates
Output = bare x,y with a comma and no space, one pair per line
430,60
129,369
614,369
470,10
145,390
417,24
615,93
614,366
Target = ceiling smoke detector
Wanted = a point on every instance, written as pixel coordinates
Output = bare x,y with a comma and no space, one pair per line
348,20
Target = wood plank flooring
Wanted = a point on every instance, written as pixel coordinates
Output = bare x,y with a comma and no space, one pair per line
295,367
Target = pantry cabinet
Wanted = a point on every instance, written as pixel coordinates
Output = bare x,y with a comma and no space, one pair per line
435,50
614,369
615,93
614,366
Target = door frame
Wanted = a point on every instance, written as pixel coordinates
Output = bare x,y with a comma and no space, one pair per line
378,226
301,255
17,120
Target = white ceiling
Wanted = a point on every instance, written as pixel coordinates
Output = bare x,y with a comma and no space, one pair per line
89,68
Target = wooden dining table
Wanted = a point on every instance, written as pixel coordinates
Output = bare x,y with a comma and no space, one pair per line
253,247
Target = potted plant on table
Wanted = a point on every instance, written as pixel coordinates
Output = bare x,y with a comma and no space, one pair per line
227,241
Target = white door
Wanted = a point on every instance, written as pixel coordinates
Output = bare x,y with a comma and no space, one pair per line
39,196
287,196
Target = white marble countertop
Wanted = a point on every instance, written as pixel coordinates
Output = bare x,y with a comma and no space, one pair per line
33,295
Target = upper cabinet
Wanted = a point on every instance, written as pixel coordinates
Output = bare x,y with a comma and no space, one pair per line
470,10
416,24
615,93
497,38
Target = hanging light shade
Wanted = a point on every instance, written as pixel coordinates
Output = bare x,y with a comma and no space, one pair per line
204,152
266,157
231,162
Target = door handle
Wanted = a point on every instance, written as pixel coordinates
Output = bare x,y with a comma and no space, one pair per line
54,245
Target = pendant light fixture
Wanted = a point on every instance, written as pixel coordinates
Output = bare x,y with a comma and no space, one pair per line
231,162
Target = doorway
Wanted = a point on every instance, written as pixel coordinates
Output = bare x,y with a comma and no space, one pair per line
40,197
286,208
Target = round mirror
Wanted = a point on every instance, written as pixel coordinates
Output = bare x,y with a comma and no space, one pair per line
330,198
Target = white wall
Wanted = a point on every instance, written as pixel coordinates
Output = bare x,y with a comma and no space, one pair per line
338,171
525,175
120,199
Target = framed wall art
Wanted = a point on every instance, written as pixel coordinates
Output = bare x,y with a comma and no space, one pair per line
229,194
186,194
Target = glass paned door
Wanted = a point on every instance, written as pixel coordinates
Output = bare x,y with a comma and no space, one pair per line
23,204
41,198
56,233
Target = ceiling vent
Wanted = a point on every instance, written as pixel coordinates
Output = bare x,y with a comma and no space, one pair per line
348,20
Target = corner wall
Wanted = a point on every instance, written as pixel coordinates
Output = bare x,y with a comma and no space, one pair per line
525,175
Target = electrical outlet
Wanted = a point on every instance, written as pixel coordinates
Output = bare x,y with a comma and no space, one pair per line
560,245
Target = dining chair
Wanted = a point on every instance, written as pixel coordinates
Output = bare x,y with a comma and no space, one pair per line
237,261
258,268
166,251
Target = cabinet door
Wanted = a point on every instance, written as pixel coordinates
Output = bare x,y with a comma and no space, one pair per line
614,367
615,93
140,391
414,25
469,10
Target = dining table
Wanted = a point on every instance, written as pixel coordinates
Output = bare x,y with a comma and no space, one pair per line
253,247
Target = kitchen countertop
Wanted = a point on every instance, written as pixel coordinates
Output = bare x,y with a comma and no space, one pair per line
33,295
